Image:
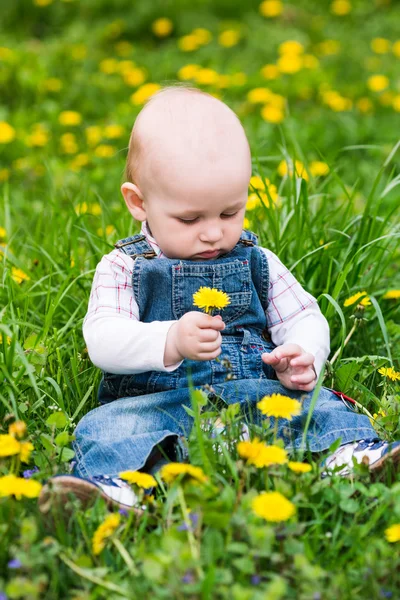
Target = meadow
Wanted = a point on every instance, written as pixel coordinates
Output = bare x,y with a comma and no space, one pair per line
317,88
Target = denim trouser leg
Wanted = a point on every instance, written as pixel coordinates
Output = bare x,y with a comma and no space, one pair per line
120,435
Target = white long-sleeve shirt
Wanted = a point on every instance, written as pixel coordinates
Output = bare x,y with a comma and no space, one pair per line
118,342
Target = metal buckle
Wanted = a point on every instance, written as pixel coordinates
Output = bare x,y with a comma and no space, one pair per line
140,239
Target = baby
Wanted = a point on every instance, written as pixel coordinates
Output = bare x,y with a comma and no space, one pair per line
187,177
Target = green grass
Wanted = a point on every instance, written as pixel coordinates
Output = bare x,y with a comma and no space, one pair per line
339,234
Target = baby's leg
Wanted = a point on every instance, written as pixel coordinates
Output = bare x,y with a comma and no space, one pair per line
124,434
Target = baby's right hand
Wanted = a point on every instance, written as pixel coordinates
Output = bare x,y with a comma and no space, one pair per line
196,336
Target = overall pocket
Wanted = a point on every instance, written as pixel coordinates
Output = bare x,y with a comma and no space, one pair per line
231,276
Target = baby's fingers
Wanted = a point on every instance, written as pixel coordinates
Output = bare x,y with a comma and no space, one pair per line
303,378
304,360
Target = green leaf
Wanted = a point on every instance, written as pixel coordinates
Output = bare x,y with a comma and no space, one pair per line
244,564
58,419
63,438
349,505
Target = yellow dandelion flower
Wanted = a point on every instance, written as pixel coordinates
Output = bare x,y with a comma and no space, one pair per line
340,7
104,532
143,480
246,223
113,131
42,3
162,27
109,66
3,234
272,114
392,533
318,168
172,470
392,295
270,72
8,445
25,451
261,455
10,485
279,406
380,45
229,38
206,77
390,373
354,298
259,95
188,43
273,507
93,135
375,416
104,151
17,429
378,83
364,105
291,47
298,167
271,8
203,36
290,64
134,76
366,301
70,118
209,299
79,161
253,201
7,133
18,275
396,48
396,103
299,467
144,93
188,72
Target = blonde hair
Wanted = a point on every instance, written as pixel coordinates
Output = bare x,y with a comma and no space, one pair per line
135,149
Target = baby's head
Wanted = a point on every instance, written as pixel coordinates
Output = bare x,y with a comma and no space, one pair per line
188,171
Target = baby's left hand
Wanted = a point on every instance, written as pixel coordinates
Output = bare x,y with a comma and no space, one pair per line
293,365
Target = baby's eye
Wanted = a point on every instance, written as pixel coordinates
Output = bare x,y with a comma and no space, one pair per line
231,215
188,221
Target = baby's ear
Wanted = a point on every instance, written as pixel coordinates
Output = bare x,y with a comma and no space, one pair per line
134,200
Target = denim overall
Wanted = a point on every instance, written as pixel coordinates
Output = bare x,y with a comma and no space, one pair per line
147,410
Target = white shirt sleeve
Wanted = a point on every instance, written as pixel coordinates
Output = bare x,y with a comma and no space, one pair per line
293,314
116,340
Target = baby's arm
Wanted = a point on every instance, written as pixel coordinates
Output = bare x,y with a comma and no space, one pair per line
297,328
116,340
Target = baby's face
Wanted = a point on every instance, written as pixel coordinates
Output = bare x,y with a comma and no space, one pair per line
195,169
200,224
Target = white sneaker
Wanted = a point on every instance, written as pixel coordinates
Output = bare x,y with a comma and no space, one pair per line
373,453
115,491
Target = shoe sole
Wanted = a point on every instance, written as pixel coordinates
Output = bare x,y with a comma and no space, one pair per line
59,491
393,456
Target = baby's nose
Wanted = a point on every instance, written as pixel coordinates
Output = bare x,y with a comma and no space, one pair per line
211,235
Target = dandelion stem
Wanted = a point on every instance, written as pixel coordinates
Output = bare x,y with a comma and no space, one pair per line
96,580
125,555
192,542
346,341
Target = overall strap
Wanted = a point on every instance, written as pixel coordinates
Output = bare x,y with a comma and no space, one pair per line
135,246
248,238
